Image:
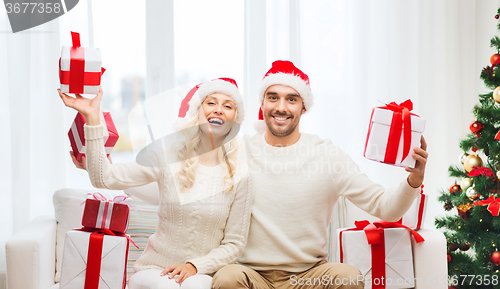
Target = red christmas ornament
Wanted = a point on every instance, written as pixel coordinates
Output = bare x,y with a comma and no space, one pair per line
476,127
465,246
455,189
448,257
495,59
495,258
496,16
453,247
474,149
452,287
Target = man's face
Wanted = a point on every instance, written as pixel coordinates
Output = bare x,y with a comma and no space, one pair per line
282,108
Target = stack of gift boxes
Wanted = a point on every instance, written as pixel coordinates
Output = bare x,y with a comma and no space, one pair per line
95,256
382,250
80,73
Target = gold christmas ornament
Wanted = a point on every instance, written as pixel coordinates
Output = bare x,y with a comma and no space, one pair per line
472,161
463,156
465,184
496,94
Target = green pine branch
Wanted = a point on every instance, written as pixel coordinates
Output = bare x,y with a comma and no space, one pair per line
495,42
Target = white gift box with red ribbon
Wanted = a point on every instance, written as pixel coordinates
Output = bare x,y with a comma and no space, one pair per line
393,133
101,213
92,260
80,68
77,136
381,251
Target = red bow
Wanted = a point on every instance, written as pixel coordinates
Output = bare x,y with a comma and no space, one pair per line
493,205
401,120
107,232
498,135
477,171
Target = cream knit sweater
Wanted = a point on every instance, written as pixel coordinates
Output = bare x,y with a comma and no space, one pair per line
206,226
296,188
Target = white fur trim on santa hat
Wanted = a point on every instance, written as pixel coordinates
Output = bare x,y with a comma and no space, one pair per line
224,87
291,80
207,88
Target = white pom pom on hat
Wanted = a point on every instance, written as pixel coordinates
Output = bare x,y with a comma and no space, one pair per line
284,72
192,101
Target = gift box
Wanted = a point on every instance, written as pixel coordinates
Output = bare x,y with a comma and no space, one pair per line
94,260
415,216
101,213
80,68
392,134
77,137
381,251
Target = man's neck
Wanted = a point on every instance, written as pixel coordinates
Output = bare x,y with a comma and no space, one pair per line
281,141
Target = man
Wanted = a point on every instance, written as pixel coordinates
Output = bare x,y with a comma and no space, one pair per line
297,179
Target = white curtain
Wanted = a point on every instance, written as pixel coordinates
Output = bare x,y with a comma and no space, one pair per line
32,163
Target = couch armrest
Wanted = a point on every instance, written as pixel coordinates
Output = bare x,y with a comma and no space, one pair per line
31,255
429,260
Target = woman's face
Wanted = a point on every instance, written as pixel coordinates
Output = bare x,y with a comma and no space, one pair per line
219,110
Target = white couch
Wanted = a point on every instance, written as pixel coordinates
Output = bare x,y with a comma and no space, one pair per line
32,253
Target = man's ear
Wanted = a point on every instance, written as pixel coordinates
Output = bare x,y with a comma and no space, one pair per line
303,109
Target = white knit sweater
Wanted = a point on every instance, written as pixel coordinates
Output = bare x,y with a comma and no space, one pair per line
296,188
206,226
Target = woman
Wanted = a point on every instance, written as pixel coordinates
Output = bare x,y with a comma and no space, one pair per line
205,197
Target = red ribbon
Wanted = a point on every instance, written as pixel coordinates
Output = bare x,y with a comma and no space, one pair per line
76,77
375,237
401,121
421,208
477,171
493,205
113,233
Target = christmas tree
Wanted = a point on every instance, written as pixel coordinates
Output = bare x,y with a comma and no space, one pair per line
473,235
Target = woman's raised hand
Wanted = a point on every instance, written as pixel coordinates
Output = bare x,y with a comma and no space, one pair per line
82,163
87,107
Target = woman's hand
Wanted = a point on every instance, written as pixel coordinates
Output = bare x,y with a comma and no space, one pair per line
184,271
88,107
416,176
82,164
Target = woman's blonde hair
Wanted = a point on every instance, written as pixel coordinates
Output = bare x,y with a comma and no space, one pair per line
189,154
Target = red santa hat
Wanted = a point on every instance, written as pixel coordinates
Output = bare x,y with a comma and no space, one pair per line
284,72
192,102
